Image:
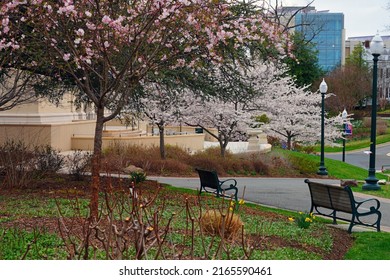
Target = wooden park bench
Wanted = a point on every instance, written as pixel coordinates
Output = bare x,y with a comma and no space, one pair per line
341,199
210,183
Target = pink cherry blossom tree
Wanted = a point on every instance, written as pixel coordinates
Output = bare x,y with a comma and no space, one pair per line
105,48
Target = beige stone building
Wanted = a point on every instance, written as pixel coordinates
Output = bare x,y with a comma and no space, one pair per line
66,128
42,123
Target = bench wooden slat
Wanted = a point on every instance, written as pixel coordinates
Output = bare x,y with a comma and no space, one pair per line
341,200
321,197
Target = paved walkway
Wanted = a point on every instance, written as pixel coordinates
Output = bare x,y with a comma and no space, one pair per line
284,193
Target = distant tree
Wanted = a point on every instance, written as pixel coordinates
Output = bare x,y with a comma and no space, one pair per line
294,113
356,58
285,18
162,105
303,64
295,116
17,87
221,104
350,84
226,117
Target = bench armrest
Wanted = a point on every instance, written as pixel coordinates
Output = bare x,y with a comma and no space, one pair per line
373,208
232,184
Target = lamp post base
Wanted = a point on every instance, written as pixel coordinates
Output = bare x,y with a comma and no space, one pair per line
371,184
322,171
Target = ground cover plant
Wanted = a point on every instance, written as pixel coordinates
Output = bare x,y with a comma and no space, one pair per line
49,220
46,217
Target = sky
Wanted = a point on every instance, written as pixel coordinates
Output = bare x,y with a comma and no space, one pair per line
361,17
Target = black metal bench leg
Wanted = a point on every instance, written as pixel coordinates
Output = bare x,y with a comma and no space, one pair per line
352,223
378,222
350,227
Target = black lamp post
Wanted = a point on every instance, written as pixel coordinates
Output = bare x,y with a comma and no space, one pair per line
344,116
323,89
376,47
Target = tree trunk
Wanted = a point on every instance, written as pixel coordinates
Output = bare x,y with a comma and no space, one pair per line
162,141
96,164
223,146
289,143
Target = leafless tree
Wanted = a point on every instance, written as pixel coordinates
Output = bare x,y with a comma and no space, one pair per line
350,84
16,88
284,16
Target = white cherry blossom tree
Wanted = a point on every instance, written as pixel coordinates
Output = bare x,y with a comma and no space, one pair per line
162,106
294,112
228,118
262,87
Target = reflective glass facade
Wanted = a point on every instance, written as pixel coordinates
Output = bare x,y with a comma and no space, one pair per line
326,31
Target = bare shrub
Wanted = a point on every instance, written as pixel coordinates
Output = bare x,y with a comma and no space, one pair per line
17,163
48,160
127,227
114,163
78,163
180,162
367,122
177,153
138,224
381,127
261,168
208,163
169,167
247,166
225,224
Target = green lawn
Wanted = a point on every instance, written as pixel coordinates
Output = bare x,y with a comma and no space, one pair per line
174,213
337,170
370,246
356,144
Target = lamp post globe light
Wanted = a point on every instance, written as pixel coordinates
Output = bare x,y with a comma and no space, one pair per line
323,89
376,47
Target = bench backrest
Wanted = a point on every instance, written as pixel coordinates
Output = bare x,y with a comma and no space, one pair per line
329,196
208,178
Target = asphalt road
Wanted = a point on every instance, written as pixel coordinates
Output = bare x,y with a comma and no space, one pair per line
284,193
361,159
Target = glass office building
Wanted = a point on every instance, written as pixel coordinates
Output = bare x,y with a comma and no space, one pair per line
326,31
